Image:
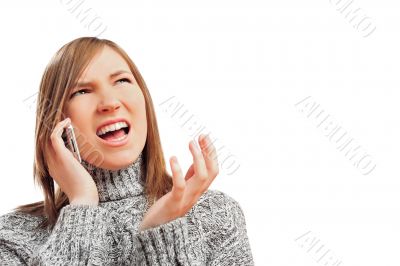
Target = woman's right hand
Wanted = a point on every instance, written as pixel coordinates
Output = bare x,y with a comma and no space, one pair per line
64,168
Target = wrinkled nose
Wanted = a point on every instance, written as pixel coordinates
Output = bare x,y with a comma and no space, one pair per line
108,104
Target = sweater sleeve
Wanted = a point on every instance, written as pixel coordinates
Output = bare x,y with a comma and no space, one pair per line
92,235
228,241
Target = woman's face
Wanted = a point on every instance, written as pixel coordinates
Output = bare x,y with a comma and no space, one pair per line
107,90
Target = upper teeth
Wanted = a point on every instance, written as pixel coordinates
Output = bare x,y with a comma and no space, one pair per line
112,127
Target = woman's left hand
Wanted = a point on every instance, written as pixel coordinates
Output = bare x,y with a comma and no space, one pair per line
185,191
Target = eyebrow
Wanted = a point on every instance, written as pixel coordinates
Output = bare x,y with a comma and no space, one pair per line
119,72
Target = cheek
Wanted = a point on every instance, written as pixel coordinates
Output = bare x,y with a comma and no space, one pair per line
136,101
81,121
76,109
79,116
84,133
137,106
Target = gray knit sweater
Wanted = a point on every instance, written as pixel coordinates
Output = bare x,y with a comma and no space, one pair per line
213,232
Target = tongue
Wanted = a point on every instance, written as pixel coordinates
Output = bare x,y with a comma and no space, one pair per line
114,134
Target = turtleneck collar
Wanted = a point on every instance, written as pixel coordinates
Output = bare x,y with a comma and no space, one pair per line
118,184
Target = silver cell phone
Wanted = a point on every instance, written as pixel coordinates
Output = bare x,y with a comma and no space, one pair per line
70,142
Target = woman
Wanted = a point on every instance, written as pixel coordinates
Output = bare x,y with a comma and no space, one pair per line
119,206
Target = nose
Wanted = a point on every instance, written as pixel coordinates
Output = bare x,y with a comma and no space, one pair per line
108,104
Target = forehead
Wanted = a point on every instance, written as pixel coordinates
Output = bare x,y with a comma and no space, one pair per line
105,62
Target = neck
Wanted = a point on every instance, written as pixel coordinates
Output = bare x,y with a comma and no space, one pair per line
118,184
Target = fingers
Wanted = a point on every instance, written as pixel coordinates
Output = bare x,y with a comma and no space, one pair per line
177,179
53,144
199,164
190,172
209,154
55,136
204,168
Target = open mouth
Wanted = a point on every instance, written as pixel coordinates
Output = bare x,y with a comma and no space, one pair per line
114,132
115,135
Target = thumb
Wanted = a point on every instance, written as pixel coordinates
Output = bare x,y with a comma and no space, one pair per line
177,179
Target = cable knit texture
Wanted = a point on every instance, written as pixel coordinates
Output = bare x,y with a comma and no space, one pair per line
213,232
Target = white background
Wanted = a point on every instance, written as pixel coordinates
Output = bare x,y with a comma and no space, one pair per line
240,67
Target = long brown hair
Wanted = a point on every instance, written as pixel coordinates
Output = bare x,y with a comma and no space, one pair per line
59,77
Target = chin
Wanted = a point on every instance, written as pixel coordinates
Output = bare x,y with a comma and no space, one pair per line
118,161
